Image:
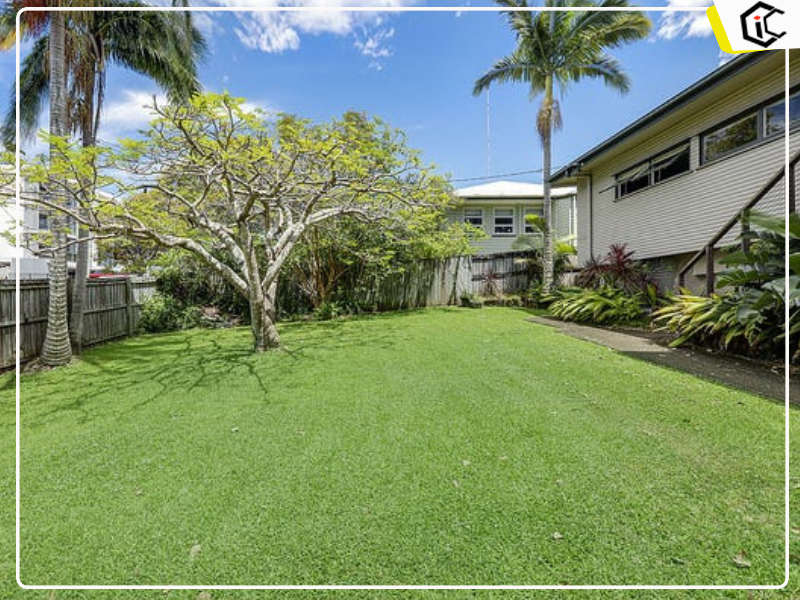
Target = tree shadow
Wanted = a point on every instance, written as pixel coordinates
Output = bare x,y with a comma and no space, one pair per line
190,363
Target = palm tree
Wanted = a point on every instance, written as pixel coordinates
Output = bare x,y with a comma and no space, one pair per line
56,349
99,39
560,48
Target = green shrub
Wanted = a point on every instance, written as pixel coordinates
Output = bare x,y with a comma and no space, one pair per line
471,300
749,318
160,313
708,320
605,306
191,283
328,310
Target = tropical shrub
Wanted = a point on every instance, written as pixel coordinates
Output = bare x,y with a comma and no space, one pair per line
563,251
616,269
749,318
605,306
161,313
328,310
191,283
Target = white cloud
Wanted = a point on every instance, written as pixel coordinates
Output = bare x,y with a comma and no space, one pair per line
128,113
206,24
680,24
281,31
132,112
373,45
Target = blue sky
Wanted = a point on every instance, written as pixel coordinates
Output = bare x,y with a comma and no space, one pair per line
416,71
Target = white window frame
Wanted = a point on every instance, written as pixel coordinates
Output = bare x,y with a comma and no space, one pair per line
482,217
513,223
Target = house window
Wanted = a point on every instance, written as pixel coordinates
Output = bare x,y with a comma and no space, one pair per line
633,180
473,216
44,221
654,170
671,164
730,137
532,211
775,115
504,221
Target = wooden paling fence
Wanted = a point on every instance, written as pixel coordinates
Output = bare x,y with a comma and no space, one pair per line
111,311
113,305
443,282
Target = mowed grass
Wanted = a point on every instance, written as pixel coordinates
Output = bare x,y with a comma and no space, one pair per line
434,447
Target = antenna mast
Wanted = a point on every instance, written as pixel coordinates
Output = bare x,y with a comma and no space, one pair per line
488,136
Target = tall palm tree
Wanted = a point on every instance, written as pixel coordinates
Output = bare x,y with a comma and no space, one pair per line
558,49
99,39
56,349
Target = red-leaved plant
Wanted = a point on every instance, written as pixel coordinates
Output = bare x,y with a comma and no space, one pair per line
616,269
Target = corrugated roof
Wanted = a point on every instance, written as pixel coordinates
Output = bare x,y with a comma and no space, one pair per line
511,189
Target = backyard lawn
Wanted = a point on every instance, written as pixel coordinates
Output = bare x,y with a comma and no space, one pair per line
434,447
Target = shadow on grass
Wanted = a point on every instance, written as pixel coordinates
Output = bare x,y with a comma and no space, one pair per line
155,366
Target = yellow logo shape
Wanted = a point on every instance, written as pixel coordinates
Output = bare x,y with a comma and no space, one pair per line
719,31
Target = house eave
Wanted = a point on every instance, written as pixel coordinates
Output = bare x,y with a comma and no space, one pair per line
677,102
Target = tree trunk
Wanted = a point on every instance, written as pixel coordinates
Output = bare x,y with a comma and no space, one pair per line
57,350
84,256
79,290
548,266
263,316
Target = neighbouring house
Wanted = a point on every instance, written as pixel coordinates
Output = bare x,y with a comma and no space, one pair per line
33,219
668,183
500,207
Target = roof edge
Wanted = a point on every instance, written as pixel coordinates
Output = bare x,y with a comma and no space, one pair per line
677,101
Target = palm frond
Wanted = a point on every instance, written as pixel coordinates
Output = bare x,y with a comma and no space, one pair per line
33,80
512,68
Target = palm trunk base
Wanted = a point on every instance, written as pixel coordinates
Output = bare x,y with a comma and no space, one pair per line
57,349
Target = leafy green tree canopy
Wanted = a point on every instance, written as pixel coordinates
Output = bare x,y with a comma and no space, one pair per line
211,176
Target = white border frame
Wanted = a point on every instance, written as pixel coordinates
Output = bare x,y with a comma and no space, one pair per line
377,587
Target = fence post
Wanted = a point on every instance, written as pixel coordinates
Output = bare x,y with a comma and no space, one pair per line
129,304
709,269
792,190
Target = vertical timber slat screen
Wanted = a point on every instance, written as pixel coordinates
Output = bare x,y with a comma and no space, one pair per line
107,313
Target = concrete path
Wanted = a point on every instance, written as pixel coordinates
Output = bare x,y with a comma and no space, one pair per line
740,373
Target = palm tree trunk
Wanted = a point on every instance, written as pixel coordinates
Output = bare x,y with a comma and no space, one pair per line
57,350
547,136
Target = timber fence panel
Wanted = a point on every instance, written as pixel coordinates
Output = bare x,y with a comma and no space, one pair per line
111,311
113,305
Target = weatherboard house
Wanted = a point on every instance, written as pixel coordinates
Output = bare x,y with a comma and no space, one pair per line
500,208
673,184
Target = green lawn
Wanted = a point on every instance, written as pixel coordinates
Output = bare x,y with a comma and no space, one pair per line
435,447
